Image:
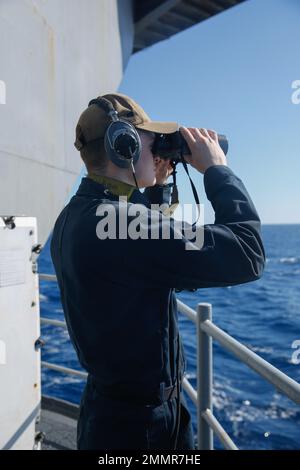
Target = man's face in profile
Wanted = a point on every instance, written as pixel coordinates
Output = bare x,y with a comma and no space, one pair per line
145,167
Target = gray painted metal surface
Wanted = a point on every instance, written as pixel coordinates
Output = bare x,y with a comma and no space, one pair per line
54,57
204,378
157,20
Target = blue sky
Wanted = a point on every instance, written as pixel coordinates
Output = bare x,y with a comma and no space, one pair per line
234,73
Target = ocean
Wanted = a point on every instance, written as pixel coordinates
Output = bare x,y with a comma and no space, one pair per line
264,315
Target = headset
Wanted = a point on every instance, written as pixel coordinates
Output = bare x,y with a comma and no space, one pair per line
121,141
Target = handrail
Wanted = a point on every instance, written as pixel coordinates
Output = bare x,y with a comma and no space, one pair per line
274,376
48,277
64,370
187,311
49,321
206,330
219,430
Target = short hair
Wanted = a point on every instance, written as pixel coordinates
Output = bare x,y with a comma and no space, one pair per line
94,155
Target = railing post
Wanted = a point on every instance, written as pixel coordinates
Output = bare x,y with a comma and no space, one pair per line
204,377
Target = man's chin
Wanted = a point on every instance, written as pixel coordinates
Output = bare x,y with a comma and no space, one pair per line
149,183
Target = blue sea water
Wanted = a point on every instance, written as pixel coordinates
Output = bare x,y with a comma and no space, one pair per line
264,315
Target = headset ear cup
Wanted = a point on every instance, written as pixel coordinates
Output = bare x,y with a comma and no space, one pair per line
122,140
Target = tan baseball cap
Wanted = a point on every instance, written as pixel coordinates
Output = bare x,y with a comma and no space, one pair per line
93,122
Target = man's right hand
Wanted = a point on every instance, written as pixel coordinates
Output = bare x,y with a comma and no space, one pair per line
204,147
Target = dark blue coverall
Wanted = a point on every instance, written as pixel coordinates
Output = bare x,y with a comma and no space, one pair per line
120,307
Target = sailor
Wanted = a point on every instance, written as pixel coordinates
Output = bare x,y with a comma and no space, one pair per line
118,288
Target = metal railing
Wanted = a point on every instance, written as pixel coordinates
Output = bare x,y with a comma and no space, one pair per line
207,423
206,331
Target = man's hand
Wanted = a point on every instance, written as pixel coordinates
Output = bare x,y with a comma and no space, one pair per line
204,147
163,169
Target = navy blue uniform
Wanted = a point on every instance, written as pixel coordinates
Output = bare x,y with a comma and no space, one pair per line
120,307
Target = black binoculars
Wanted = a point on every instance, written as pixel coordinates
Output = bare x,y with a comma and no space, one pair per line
173,146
